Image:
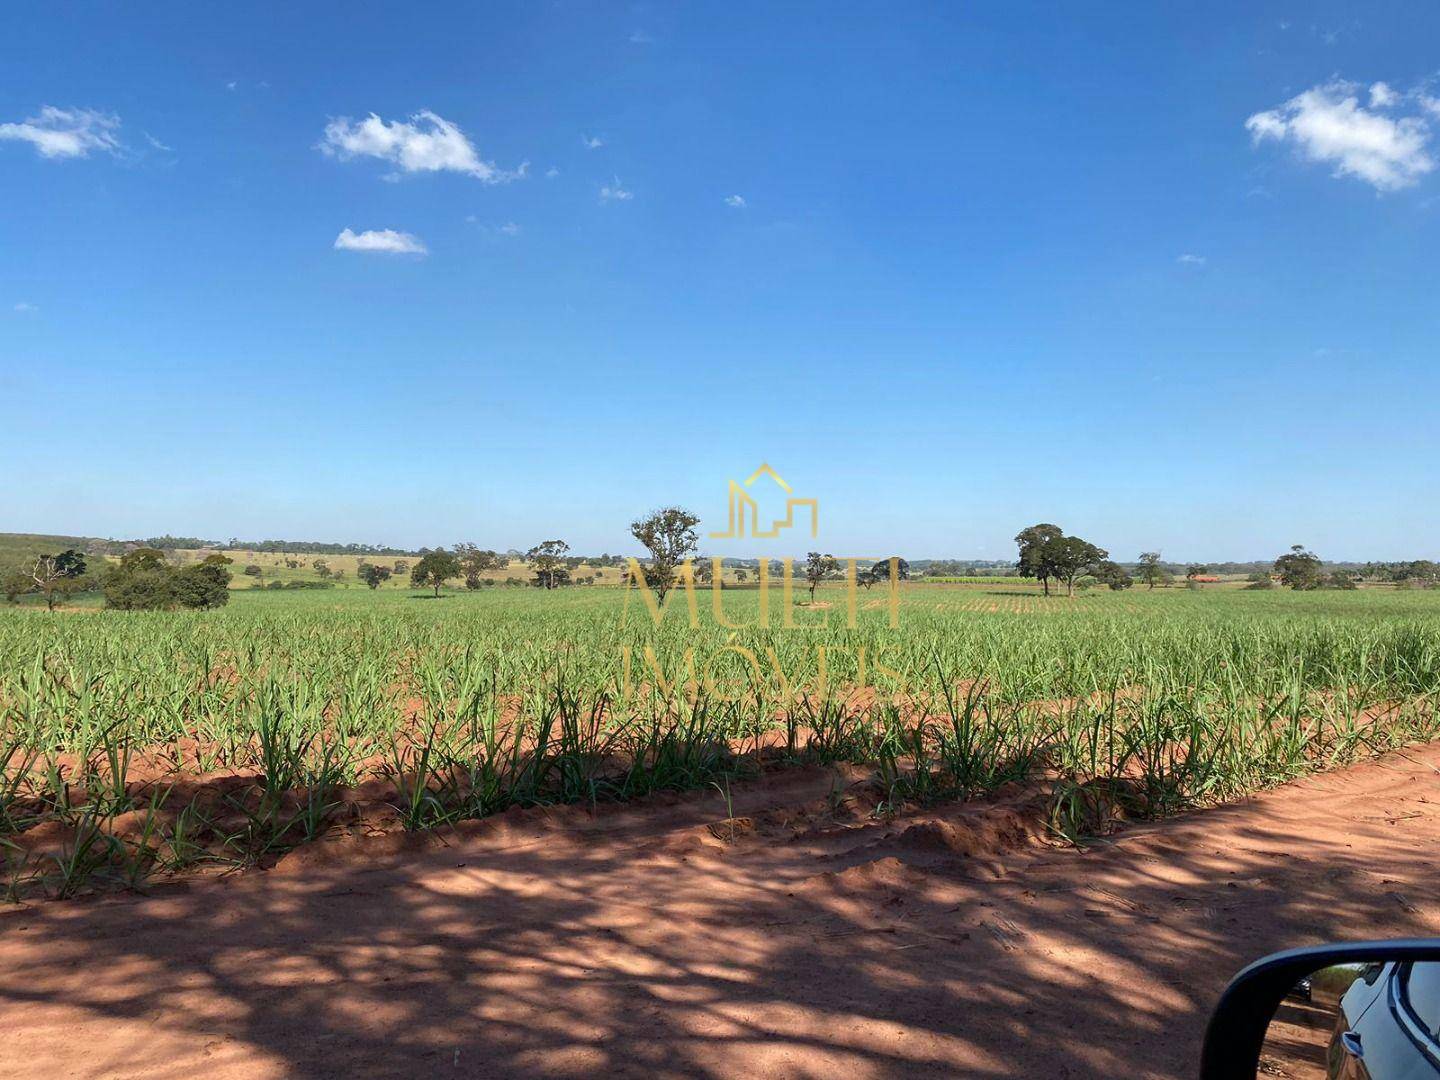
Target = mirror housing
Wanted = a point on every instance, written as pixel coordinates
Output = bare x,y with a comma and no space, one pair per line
1236,1032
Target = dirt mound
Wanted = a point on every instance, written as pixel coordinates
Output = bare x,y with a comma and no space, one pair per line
993,832
877,874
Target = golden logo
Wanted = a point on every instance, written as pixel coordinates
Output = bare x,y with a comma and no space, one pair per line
742,503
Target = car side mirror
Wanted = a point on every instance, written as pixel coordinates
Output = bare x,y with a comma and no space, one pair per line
1368,1009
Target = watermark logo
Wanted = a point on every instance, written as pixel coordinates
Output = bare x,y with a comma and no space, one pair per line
742,505
661,581
810,592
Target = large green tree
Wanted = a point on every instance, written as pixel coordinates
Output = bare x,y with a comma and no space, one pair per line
1031,543
1048,554
144,581
373,575
475,562
1068,557
1300,569
817,568
434,569
883,570
547,559
54,576
670,537
204,585
1151,572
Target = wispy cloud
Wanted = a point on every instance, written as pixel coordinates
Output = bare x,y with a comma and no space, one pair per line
591,142
24,307
737,201
423,143
510,229
1382,97
386,241
613,192
67,133
551,173
1328,124
1190,260
640,37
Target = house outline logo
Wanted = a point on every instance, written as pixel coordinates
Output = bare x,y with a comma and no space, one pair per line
740,501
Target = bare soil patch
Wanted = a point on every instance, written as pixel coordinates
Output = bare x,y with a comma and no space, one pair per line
784,931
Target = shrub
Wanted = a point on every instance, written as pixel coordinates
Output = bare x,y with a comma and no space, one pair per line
203,586
145,582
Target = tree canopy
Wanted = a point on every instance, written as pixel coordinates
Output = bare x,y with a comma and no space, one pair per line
548,560
817,568
1300,569
1048,554
434,569
144,581
1150,570
670,537
373,575
475,562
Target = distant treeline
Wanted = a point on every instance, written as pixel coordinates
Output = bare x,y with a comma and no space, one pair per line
278,547
15,547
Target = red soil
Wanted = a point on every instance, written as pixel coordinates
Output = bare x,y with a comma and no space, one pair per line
799,938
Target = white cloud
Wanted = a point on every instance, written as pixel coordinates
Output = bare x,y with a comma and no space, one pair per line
1328,124
510,229
231,85
591,142
614,192
1191,260
1382,97
66,133
640,37
551,173
24,307
383,240
737,201
424,143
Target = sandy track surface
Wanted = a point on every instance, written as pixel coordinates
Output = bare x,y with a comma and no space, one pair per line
801,940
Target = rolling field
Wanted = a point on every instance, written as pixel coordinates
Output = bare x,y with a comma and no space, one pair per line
136,745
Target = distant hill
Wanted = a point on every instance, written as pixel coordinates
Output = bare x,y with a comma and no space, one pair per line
17,547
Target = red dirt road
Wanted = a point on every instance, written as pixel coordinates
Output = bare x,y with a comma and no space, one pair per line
655,942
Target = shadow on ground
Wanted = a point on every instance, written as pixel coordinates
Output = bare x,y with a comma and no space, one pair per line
657,947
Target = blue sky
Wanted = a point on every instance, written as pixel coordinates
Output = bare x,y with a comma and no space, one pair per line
1165,277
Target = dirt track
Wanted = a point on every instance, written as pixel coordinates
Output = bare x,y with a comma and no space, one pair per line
656,942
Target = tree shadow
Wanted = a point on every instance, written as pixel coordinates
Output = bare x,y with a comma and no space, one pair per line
641,944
